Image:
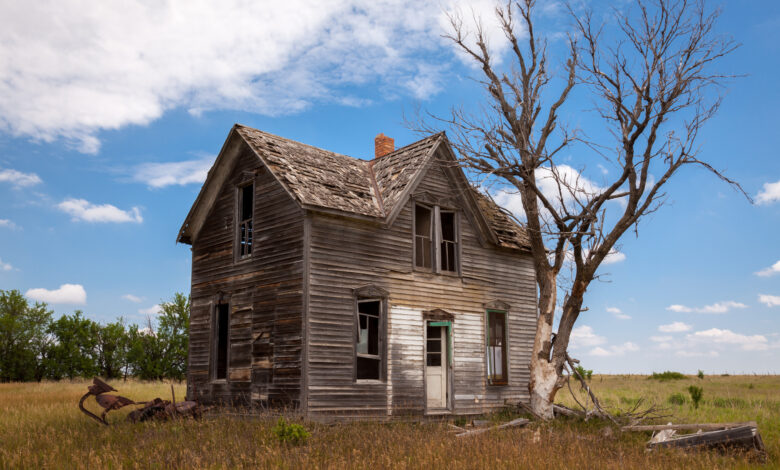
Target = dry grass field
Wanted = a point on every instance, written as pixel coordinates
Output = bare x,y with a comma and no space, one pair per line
41,427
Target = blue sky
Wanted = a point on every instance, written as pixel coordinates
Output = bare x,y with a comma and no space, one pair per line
110,118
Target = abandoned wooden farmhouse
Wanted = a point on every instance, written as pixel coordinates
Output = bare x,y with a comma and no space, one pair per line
349,287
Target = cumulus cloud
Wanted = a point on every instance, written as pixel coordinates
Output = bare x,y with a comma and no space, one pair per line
661,339
728,337
618,313
66,294
5,266
584,336
674,327
614,256
160,175
153,310
769,300
132,298
717,307
617,350
770,271
81,209
17,179
109,66
8,224
770,193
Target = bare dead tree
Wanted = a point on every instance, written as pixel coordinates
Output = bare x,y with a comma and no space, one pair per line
654,89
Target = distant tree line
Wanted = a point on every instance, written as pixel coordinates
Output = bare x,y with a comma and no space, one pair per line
34,346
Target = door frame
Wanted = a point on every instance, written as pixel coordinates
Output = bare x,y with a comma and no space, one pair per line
449,367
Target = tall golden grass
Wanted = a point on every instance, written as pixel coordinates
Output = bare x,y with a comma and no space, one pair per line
41,427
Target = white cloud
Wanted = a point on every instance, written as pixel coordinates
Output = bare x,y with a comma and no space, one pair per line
770,193
674,327
618,313
717,307
618,350
153,310
614,256
769,300
132,298
8,224
160,175
728,337
661,339
16,178
770,271
583,336
112,65
81,209
66,294
5,266
683,353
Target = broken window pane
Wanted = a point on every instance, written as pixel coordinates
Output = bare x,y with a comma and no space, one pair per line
222,334
496,347
368,341
245,214
422,237
448,242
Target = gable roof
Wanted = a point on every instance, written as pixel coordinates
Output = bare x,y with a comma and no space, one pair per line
322,180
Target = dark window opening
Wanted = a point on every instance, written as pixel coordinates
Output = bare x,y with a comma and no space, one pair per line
423,253
246,198
223,327
448,242
368,350
496,347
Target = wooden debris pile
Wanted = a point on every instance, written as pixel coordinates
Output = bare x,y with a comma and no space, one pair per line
158,408
462,432
720,436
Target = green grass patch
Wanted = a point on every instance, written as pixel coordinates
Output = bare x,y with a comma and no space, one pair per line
667,375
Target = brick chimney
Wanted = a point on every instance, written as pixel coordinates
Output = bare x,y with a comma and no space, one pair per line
383,145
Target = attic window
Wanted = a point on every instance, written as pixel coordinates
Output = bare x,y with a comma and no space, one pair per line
245,216
435,239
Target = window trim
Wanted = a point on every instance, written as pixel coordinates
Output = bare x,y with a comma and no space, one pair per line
431,237
371,294
237,229
504,348
214,360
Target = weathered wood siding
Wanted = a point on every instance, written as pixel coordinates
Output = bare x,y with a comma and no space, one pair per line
346,254
264,293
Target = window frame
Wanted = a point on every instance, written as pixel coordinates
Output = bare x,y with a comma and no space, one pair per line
504,380
436,239
381,338
214,353
239,257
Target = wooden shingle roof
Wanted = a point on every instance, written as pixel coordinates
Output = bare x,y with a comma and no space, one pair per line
320,179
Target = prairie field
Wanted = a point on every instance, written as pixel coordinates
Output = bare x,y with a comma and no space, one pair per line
41,427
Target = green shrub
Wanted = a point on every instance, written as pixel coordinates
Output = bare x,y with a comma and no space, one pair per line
292,433
696,393
677,399
584,373
700,374
667,375
729,403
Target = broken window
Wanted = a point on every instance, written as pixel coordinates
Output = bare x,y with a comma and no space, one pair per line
221,334
435,239
245,212
422,237
449,242
496,347
369,340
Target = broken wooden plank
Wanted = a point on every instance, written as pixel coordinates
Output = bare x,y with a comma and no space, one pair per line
688,427
512,424
743,436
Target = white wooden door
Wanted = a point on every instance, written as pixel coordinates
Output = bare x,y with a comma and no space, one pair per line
436,366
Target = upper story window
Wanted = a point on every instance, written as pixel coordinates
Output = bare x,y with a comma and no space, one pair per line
435,239
245,215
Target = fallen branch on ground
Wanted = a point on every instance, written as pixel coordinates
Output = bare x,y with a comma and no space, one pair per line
512,424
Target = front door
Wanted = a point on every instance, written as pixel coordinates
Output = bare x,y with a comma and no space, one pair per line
436,365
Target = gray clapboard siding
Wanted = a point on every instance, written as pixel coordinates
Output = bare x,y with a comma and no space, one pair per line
346,254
